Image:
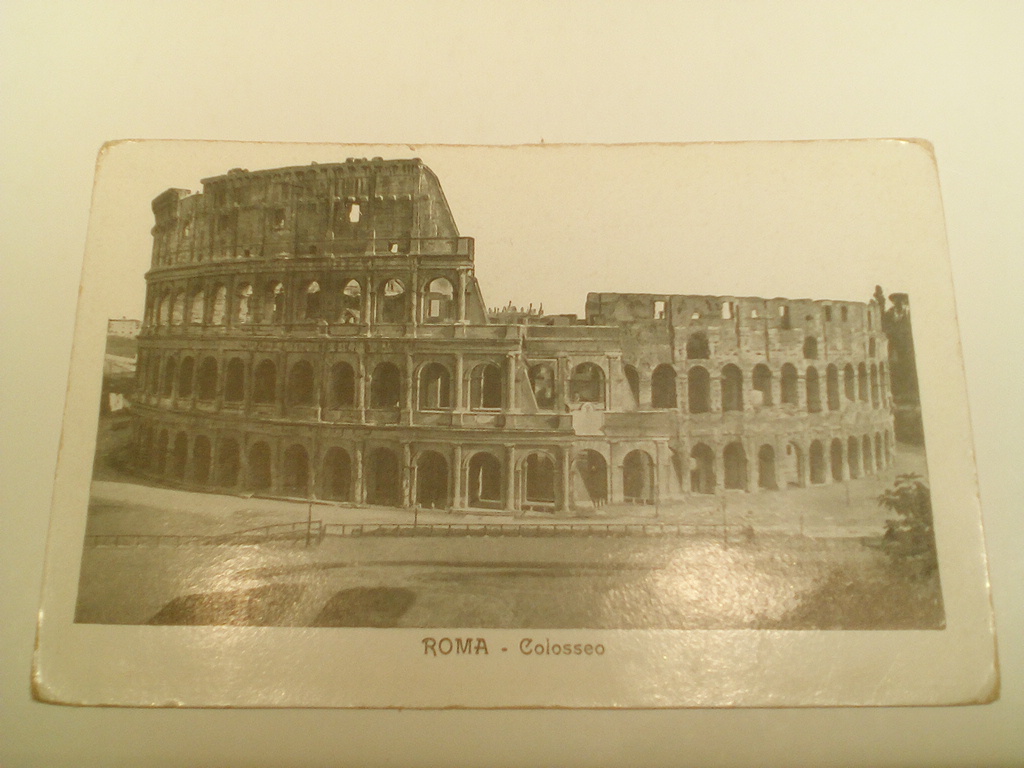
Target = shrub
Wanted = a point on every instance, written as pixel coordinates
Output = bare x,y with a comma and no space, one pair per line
909,537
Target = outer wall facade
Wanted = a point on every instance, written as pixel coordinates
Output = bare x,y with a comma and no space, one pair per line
318,332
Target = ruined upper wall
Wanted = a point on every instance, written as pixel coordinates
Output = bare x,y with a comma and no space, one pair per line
352,207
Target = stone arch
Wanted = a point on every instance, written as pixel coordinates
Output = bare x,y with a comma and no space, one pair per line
793,466
540,484
438,301
485,387
206,379
197,315
542,381
484,481
260,467
698,389
862,383
301,384
228,462
593,472
383,478
243,312
663,387
874,386
313,301
342,390
732,388
295,471
336,478
813,391
434,387
832,387
219,311
762,383
836,459
853,457
866,458
163,316
432,480
178,308
351,302
587,384
766,468
234,381
735,461
170,371
202,455
185,373
810,348
850,383
265,382
790,385
393,301
697,347
385,386
638,477
702,469
273,302
816,455
179,456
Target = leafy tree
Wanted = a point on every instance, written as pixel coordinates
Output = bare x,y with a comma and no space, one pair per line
910,537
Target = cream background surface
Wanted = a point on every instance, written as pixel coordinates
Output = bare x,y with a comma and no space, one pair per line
440,72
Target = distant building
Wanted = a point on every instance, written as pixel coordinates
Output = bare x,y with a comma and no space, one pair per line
124,328
318,331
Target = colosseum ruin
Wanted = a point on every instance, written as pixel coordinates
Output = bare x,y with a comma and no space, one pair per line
317,332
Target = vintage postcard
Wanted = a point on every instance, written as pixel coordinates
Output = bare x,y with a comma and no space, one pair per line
535,426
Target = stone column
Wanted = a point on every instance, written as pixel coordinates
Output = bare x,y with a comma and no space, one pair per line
461,318
457,390
409,386
510,478
564,501
457,502
361,386
407,489
511,371
359,489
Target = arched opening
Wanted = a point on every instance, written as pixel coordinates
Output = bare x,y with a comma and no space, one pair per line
633,380
862,383
485,387
301,389
832,387
342,392
540,479
228,463
178,309
201,455
587,384
234,381
732,388
435,387
542,380
393,301
244,310
762,382
383,478
790,385
437,301
206,380
220,306
336,483
871,347
849,383
164,313
170,369
810,348
198,314
813,391
385,386
866,458
874,386
296,471
663,387
697,347
593,471
735,467
836,458
313,301
702,469
793,466
185,373
160,453
259,467
766,468
273,302
179,456
484,481
883,384
351,303
888,448
431,480
153,386
817,457
698,386
879,456
264,388
638,478
853,457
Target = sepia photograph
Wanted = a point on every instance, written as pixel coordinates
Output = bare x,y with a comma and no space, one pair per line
510,403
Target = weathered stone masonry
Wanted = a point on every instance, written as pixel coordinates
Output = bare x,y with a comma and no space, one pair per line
318,332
